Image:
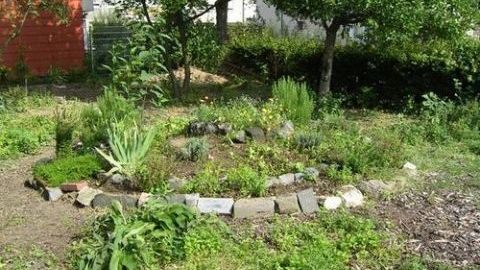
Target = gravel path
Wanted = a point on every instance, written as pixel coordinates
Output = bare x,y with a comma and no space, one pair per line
27,220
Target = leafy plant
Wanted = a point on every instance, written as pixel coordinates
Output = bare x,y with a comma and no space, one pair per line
195,149
295,99
307,140
207,182
247,181
147,239
64,127
129,146
67,169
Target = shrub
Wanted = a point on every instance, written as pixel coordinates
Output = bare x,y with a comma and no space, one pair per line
111,108
146,239
295,100
246,181
154,175
129,146
64,128
207,182
241,113
307,140
195,149
67,169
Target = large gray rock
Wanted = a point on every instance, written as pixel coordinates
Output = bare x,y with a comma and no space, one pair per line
287,204
286,130
53,194
86,196
254,208
308,201
201,128
375,188
286,179
255,133
351,195
222,206
332,203
105,200
176,198
240,137
299,177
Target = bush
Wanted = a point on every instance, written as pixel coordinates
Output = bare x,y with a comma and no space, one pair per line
366,75
295,100
195,149
146,239
207,182
67,169
246,181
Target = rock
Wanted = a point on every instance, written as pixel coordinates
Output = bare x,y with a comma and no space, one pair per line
210,128
144,198
308,201
224,128
332,203
53,194
286,179
255,133
323,167
287,204
286,130
201,128
221,206
117,179
299,177
351,195
105,200
240,137
272,181
86,195
33,184
191,200
71,187
253,208
175,183
410,168
176,199
311,173
103,176
375,188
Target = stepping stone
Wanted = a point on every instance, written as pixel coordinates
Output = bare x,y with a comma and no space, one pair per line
332,203
254,208
287,204
53,194
86,195
351,195
105,200
222,206
308,201
286,179
71,187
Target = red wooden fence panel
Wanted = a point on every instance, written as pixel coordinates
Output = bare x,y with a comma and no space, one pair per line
44,44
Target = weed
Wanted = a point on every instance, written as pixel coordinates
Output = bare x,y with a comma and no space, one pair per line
246,181
67,169
195,149
65,125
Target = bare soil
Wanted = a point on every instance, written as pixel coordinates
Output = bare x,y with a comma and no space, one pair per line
27,220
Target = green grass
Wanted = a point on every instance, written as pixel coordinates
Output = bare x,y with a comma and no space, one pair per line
67,169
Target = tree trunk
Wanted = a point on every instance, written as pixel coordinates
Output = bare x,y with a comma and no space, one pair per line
183,38
327,59
221,8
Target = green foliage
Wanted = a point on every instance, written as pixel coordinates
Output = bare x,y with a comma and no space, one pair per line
205,237
246,181
207,182
195,149
268,159
206,50
146,239
110,108
67,169
23,135
154,175
307,140
295,100
66,122
129,146
17,99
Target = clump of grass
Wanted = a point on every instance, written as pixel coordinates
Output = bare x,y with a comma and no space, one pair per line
65,123
67,169
307,140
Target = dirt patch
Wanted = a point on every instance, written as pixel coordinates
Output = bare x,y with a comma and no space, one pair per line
27,220
201,77
443,225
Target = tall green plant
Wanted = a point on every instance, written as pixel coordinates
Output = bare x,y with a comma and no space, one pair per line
66,122
129,146
295,99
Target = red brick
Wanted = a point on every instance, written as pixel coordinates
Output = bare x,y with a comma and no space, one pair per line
69,187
